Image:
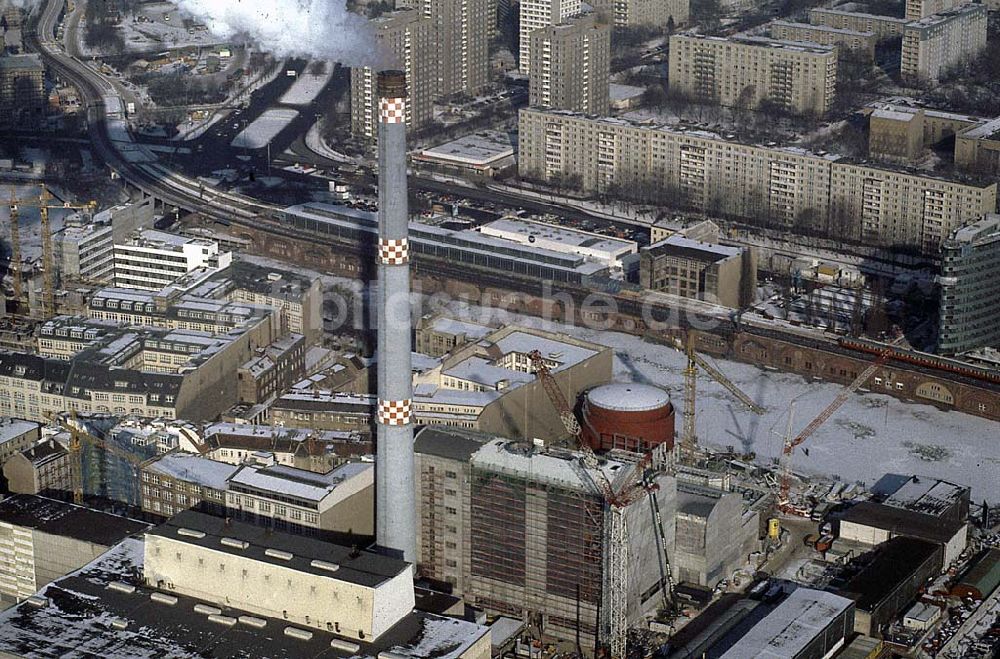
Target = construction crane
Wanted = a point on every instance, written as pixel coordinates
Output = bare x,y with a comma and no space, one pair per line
44,204
613,623
78,436
791,443
15,248
689,438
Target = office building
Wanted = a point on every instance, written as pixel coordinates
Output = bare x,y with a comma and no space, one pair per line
43,539
848,42
934,45
42,468
570,63
201,586
411,38
152,260
745,72
884,27
977,148
84,246
786,188
518,533
694,269
461,33
970,288
22,88
180,481
537,14
341,501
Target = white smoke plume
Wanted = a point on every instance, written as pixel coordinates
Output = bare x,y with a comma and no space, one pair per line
312,29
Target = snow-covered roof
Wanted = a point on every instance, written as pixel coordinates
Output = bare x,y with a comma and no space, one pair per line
193,469
14,428
629,397
791,627
544,466
300,483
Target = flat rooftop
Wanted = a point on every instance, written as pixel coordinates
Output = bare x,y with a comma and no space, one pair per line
163,240
14,428
529,231
551,466
68,520
678,245
302,484
193,469
789,628
895,562
989,130
822,28
78,611
921,494
479,149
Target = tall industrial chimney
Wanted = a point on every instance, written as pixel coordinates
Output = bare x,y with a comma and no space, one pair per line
396,506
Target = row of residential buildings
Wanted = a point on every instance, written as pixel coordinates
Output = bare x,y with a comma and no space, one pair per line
785,188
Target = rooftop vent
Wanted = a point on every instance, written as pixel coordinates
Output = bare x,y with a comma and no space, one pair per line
301,634
222,620
191,533
37,601
163,598
121,587
345,646
119,624
323,565
251,621
280,555
234,543
207,610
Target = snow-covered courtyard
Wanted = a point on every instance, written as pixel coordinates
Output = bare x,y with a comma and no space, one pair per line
265,128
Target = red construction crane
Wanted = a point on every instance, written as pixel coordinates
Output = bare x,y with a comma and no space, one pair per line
791,443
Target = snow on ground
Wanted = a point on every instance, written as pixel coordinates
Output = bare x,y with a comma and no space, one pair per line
871,435
163,29
316,144
265,128
307,87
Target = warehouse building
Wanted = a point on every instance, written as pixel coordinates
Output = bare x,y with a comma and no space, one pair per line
809,624
594,246
236,591
890,580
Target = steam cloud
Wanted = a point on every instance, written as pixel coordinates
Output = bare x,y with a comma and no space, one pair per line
313,29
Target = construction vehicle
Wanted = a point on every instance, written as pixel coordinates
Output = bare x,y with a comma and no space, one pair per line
689,437
613,620
44,204
791,443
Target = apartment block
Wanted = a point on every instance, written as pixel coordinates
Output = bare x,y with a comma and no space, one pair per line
41,468
884,27
935,44
570,66
273,370
536,14
151,260
410,37
970,288
636,13
784,188
859,44
16,435
461,30
917,9
747,71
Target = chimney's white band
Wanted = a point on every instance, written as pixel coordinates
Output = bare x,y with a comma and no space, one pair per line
394,251
393,110
394,412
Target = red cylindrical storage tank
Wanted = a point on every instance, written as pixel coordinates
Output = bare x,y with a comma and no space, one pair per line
633,417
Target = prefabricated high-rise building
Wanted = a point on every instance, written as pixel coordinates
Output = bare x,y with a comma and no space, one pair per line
461,33
396,508
409,37
536,14
570,64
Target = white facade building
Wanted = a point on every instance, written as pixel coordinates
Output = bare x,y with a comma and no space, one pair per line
594,246
537,14
151,260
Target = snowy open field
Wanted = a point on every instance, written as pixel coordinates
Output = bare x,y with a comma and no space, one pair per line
306,88
265,128
161,27
872,434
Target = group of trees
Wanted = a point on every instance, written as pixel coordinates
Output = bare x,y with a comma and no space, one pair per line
183,89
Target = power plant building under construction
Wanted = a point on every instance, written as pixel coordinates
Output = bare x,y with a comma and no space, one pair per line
630,417
517,530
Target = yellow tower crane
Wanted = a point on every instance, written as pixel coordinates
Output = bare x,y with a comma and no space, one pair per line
689,438
43,203
15,248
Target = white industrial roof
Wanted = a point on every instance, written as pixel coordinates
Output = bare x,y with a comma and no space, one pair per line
628,397
194,469
298,483
790,627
